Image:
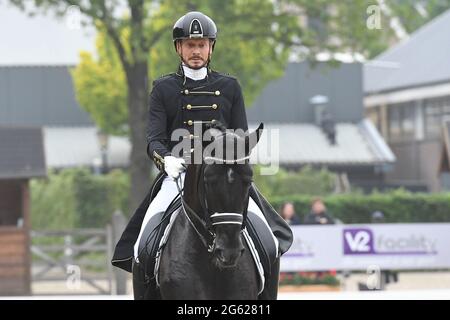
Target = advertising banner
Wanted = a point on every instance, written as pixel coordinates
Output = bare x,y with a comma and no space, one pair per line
359,247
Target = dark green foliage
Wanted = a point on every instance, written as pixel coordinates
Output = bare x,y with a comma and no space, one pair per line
307,181
75,198
397,206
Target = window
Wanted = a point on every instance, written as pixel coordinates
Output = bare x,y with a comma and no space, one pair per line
401,119
11,202
435,110
408,121
374,114
394,123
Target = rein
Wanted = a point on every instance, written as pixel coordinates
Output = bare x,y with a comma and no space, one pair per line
207,237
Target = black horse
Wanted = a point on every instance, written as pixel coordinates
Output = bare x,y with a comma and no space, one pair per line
205,256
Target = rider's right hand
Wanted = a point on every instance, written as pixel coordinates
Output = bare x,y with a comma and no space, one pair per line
173,166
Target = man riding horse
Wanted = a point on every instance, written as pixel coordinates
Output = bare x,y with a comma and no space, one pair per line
194,95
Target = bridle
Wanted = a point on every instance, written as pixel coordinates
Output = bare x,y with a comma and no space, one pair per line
205,228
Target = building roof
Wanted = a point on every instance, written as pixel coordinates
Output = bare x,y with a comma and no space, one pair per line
287,99
303,144
420,60
40,40
79,146
39,96
298,144
21,153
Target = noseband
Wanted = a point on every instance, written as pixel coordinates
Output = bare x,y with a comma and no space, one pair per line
205,228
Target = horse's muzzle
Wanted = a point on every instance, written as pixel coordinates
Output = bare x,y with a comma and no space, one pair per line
227,258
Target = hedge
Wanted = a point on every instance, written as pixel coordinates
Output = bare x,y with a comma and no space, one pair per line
307,181
52,202
75,198
397,206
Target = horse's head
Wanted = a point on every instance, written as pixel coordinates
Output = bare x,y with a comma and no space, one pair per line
226,182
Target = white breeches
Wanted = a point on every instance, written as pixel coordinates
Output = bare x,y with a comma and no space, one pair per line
165,196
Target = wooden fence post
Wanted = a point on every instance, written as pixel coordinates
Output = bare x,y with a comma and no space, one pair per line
118,224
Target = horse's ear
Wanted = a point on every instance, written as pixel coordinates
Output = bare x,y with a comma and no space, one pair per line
252,138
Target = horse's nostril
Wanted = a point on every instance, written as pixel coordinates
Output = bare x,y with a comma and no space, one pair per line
220,255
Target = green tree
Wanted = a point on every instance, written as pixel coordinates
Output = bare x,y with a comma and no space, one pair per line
100,83
415,13
342,26
336,27
101,87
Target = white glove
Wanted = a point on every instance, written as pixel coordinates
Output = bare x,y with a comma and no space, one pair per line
173,166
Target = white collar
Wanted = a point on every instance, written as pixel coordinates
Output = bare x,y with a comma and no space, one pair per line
195,74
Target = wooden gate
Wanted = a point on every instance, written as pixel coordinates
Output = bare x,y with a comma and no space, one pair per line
79,256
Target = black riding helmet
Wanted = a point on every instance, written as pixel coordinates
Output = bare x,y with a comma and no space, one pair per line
193,25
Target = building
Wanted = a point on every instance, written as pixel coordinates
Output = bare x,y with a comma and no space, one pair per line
36,89
407,96
318,112
21,158
43,96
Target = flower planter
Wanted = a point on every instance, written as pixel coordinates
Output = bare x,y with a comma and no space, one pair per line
308,288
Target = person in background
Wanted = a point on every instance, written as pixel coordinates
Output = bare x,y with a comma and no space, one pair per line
318,214
377,217
287,212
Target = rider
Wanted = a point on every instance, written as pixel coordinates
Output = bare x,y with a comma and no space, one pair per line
193,95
